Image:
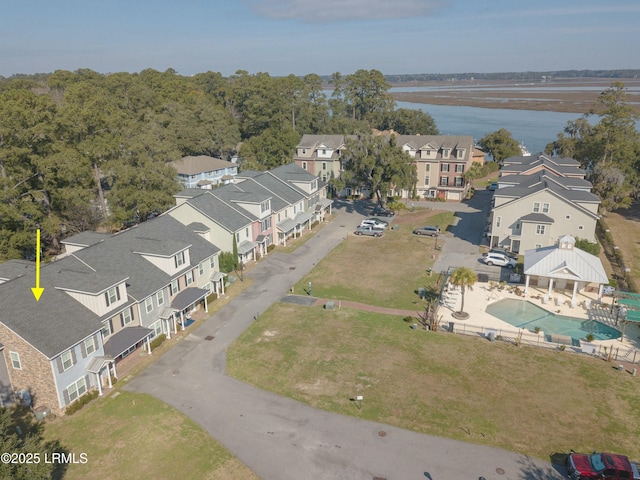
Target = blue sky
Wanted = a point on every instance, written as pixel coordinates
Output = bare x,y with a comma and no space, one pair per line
318,36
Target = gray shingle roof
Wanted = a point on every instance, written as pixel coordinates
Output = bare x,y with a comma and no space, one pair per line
86,239
313,141
58,321
534,183
537,218
566,182
15,268
230,218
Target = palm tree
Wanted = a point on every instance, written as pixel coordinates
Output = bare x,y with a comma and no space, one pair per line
464,278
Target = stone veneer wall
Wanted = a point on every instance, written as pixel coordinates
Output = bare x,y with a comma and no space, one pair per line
35,376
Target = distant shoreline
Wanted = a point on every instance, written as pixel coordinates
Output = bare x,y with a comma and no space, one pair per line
515,95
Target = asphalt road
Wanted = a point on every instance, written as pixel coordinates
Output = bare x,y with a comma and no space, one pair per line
281,439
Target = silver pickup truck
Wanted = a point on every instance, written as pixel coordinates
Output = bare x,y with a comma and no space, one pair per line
369,230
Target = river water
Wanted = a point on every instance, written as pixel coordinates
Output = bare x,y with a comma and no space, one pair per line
535,129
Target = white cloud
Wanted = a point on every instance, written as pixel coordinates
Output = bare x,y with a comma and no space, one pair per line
340,10
567,11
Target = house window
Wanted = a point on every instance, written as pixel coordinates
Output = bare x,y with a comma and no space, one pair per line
498,221
536,207
460,153
179,258
426,180
580,227
304,151
77,389
212,262
126,317
538,246
545,208
445,153
246,232
160,297
201,269
175,288
427,167
189,278
324,165
459,168
540,229
518,226
207,287
567,217
304,165
90,345
314,185
67,360
324,151
157,328
15,360
444,181
458,181
237,236
266,224
112,296
444,167
107,329
264,206
148,305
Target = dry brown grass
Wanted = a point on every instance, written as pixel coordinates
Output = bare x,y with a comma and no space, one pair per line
382,271
527,400
625,230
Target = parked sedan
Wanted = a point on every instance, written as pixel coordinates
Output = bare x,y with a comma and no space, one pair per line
383,212
499,259
376,222
432,231
504,252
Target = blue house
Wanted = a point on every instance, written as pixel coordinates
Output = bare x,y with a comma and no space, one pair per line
204,172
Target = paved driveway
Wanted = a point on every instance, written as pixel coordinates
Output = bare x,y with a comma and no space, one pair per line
281,439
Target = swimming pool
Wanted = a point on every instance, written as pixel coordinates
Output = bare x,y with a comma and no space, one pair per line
523,314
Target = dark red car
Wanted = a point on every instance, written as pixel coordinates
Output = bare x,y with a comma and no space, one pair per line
601,466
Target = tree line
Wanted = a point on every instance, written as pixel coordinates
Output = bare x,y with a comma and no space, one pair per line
80,149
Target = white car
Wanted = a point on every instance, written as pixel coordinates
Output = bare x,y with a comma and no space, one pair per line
499,259
374,223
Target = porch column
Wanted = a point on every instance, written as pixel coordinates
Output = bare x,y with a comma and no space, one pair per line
109,376
99,382
167,324
206,306
148,346
550,292
575,291
526,284
222,284
181,321
175,324
600,289
115,374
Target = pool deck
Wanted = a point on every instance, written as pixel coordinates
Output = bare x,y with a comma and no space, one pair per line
476,301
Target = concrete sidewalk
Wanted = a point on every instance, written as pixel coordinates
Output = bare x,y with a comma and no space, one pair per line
281,439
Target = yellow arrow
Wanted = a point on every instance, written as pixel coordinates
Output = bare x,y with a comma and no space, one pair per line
37,291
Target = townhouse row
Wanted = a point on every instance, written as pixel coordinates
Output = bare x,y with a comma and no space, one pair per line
539,200
440,160
111,294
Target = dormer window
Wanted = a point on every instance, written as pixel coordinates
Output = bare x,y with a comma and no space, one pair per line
266,205
112,296
460,153
179,259
445,153
314,185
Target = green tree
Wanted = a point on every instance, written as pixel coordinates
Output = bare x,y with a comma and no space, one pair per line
609,151
377,163
500,145
474,172
366,93
270,149
464,278
28,441
407,121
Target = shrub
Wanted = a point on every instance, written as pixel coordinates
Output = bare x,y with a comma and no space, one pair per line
156,342
395,206
590,337
81,402
313,225
587,246
271,247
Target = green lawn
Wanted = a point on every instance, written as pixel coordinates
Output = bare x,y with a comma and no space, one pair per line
136,436
384,271
528,400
